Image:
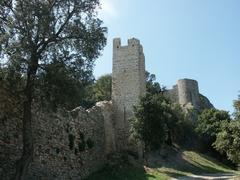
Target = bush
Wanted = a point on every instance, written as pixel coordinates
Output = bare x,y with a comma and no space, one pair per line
90,143
71,139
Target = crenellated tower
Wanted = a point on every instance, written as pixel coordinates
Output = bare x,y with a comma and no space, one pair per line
128,84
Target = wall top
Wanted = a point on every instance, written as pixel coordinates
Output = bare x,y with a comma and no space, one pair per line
131,42
187,80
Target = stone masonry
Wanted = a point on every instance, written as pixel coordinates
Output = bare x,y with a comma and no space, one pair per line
73,144
128,84
67,144
186,93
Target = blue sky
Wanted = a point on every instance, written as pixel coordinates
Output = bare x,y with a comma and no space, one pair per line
197,39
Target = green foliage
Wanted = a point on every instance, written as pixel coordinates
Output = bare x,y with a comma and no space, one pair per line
236,105
81,146
90,143
152,87
10,95
76,151
71,139
101,89
12,79
81,135
209,124
62,86
155,121
57,50
82,143
57,150
228,140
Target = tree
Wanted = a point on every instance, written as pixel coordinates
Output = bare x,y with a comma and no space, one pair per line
209,124
155,121
236,105
102,88
228,140
34,33
151,85
62,86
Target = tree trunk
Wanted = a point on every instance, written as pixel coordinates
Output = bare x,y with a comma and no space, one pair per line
27,155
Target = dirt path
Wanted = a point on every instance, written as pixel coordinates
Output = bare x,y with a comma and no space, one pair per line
209,176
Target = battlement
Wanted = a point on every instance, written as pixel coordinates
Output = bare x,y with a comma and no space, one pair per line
132,43
116,43
128,84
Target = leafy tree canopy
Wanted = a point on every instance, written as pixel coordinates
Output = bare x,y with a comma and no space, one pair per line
155,121
102,88
209,124
151,85
228,140
236,105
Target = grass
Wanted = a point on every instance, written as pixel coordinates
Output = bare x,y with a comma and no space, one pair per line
178,164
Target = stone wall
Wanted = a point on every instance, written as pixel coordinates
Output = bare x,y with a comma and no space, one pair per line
128,84
68,145
73,144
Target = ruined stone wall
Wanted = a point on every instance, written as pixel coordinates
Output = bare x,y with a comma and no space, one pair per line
172,94
68,145
128,84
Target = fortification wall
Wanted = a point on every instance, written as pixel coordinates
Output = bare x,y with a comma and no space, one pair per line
68,145
73,144
172,94
186,93
128,84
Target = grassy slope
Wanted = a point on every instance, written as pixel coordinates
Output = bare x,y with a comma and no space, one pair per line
182,163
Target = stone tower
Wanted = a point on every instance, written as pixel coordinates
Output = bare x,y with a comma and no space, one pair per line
188,92
128,84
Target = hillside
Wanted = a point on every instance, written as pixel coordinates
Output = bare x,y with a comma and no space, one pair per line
174,164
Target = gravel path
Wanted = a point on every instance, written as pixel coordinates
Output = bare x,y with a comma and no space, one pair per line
209,176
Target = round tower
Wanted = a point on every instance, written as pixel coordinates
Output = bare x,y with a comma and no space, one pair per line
188,92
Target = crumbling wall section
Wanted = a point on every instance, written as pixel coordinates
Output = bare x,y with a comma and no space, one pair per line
67,144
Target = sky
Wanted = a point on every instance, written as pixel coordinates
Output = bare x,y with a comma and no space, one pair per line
196,39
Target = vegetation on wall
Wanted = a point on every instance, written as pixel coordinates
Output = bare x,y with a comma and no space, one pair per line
71,139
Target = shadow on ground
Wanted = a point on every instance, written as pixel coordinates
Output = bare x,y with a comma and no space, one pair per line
121,173
161,165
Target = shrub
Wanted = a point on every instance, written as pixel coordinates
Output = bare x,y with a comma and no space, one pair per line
90,143
71,139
